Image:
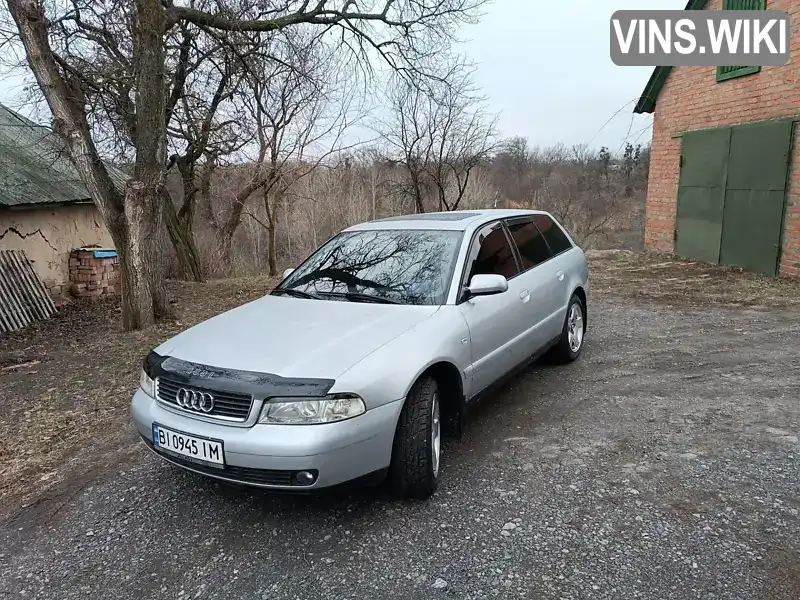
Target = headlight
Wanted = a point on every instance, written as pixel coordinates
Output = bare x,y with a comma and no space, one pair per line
311,411
148,385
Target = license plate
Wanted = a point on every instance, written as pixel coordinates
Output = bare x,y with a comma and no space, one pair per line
197,449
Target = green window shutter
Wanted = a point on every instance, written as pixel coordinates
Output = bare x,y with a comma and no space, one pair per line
744,5
724,73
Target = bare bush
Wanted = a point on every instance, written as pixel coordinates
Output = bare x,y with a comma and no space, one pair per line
594,194
598,197
439,131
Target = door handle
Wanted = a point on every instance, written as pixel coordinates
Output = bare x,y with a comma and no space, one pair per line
560,275
525,295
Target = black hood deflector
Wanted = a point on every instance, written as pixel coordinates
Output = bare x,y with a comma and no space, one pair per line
258,385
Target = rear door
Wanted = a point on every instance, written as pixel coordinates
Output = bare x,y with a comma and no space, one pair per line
544,251
496,323
537,277
561,268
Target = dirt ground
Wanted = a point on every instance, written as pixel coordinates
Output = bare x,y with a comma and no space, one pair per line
663,464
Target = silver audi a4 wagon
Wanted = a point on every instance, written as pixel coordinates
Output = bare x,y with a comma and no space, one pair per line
364,356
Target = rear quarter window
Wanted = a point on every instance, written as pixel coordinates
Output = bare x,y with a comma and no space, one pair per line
555,237
530,242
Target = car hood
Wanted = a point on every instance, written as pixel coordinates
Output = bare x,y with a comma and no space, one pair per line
294,337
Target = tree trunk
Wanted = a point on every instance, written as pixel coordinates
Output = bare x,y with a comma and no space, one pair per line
314,221
417,188
374,190
137,293
288,233
206,207
132,221
182,237
145,192
228,230
272,255
272,228
179,224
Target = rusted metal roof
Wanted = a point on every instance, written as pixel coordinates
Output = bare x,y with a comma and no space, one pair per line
34,167
23,297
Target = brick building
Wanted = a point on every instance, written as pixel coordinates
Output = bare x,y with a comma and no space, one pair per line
724,181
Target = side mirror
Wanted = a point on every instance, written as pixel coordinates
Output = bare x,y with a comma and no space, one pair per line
287,272
486,285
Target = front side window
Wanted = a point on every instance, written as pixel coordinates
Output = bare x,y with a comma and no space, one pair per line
491,254
402,266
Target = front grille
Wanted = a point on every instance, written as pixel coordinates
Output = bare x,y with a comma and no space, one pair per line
243,474
227,405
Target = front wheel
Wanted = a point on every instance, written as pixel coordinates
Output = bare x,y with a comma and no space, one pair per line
417,450
573,333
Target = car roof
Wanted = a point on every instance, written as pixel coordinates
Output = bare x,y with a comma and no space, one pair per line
457,220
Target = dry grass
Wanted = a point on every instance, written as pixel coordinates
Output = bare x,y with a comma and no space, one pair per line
67,382
67,385
671,280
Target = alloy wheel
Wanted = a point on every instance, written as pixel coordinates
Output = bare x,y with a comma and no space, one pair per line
575,327
436,435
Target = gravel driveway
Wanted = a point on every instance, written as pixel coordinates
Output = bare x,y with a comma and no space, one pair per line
663,464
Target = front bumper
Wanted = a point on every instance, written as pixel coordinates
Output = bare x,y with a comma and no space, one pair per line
262,455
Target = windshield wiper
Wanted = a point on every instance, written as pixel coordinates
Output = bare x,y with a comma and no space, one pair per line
296,293
356,297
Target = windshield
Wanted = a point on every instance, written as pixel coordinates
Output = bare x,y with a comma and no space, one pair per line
404,266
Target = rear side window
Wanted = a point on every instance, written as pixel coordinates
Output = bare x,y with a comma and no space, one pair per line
554,235
531,244
491,254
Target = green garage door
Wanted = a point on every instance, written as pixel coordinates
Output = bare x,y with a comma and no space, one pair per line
754,196
701,194
731,195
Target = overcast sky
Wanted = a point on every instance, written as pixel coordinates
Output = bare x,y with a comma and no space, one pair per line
545,68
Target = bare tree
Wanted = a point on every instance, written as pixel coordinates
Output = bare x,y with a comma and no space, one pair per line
400,32
134,218
439,131
303,102
199,129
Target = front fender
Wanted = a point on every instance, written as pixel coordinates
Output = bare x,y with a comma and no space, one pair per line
388,373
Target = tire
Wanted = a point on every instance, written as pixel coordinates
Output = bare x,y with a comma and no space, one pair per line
573,333
416,454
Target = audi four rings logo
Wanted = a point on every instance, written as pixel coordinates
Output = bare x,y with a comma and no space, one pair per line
194,400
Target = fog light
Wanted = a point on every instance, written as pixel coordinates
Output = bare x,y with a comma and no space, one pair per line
305,478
